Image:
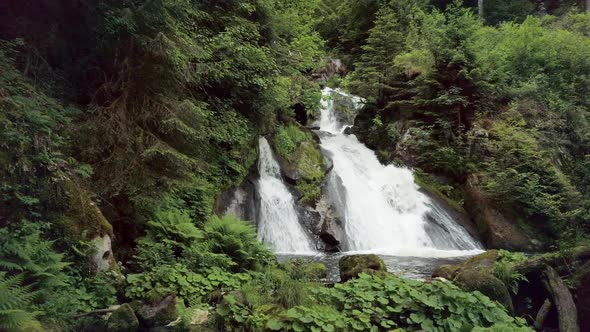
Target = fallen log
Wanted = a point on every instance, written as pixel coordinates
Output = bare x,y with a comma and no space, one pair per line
564,301
555,260
97,312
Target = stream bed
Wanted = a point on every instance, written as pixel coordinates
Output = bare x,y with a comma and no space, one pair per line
418,268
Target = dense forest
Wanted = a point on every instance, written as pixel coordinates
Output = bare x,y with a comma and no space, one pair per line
122,122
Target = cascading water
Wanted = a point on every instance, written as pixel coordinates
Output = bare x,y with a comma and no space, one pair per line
383,209
278,224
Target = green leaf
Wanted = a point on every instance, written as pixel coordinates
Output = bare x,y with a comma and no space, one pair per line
274,324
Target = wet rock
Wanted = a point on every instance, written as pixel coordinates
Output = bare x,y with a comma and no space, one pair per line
290,170
309,218
351,266
497,231
239,201
123,320
331,233
485,282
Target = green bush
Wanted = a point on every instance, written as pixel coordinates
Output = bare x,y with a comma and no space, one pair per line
373,303
238,240
287,139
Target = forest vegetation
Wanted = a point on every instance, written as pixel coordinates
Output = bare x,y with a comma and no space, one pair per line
121,122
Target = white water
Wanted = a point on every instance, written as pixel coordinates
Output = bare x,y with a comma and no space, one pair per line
278,224
383,210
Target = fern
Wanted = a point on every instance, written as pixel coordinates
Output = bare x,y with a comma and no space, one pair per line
24,251
15,301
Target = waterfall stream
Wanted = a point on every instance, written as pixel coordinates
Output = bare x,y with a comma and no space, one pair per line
278,224
383,209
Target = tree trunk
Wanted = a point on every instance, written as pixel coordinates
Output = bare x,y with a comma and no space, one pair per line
588,6
480,7
564,302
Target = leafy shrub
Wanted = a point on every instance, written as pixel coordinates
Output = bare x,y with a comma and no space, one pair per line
237,239
373,303
287,139
176,279
503,269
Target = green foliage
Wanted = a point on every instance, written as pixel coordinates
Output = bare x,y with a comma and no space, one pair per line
287,139
237,239
59,289
30,140
191,287
177,257
503,269
15,305
373,303
311,164
23,251
300,150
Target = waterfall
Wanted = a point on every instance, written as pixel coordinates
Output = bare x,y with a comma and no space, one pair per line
278,224
382,207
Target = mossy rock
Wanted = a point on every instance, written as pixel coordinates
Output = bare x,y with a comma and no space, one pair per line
301,161
486,283
446,271
158,313
352,266
79,216
483,262
123,320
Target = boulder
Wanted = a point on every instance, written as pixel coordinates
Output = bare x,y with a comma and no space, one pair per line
331,232
352,266
486,283
123,320
158,313
482,262
239,201
199,317
497,231
81,220
103,258
446,271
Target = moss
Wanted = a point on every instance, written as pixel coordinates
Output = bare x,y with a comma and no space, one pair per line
311,163
486,283
302,156
446,271
80,217
427,183
123,320
352,266
485,260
